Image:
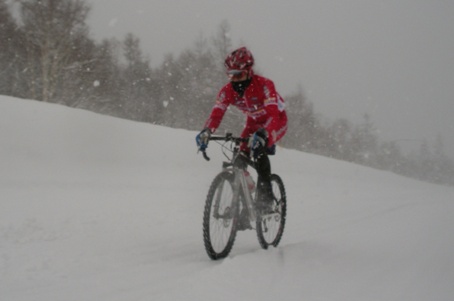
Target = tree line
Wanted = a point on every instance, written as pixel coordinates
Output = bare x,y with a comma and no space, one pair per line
46,54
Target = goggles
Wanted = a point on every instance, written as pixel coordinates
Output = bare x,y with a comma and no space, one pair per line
236,74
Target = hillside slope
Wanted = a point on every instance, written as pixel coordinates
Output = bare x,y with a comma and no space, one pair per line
98,208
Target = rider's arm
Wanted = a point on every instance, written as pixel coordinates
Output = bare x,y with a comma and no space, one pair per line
273,109
218,111
249,129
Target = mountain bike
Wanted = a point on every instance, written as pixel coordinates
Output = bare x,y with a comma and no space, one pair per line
232,203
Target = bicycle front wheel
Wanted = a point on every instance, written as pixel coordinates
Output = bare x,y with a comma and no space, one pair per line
220,217
270,227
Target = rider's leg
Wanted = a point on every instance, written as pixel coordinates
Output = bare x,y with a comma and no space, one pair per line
263,165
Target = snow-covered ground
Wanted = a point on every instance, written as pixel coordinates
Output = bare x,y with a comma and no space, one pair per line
98,208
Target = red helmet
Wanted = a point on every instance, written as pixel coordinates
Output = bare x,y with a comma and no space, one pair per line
239,60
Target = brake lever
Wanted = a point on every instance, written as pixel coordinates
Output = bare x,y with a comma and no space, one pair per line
205,156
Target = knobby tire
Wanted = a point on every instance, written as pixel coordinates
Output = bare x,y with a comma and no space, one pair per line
220,217
270,228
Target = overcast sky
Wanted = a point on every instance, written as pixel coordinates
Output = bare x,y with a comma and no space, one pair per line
392,59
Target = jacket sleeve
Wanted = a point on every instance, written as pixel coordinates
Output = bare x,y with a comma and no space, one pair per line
249,128
218,111
273,103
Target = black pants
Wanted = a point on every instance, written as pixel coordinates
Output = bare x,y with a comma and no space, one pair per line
263,167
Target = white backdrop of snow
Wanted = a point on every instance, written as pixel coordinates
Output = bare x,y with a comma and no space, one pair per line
98,208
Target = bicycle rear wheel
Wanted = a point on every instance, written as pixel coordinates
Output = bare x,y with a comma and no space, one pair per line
270,227
220,217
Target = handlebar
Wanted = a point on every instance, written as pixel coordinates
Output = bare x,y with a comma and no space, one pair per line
228,137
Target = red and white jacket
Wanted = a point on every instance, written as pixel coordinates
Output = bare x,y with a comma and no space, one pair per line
264,108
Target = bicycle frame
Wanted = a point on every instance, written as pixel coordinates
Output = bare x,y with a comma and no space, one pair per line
240,186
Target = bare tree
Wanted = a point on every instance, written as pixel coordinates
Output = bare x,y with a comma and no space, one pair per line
51,28
9,37
136,80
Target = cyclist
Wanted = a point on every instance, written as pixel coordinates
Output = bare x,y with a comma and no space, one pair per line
266,120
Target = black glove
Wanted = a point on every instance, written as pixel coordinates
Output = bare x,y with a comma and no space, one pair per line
259,143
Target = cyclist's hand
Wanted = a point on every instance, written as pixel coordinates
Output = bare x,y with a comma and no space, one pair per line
202,139
259,143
